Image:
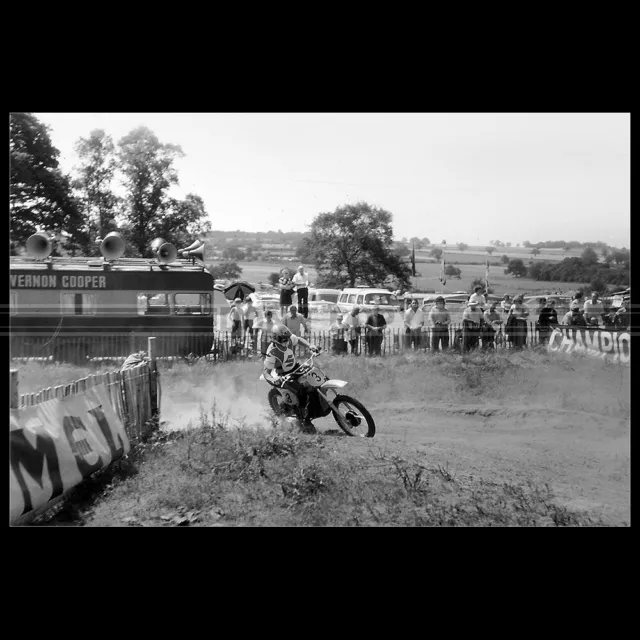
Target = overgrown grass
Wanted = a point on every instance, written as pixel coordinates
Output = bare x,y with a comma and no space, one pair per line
214,476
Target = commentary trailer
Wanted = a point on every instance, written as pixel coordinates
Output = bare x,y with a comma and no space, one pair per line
90,306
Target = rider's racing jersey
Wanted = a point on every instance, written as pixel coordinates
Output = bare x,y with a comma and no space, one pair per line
280,358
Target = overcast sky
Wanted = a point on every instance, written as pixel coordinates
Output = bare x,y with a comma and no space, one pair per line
460,177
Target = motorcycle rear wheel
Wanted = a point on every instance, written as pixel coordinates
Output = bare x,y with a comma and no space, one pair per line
354,419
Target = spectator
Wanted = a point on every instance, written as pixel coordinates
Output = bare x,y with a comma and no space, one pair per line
492,325
622,319
593,310
286,290
301,282
573,318
250,314
337,331
518,316
577,301
265,329
413,323
294,322
440,321
352,321
506,304
375,326
478,297
236,319
472,322
547,320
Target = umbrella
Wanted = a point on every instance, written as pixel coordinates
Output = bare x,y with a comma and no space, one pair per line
238,290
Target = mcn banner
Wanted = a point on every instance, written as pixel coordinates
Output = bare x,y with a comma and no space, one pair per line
56,444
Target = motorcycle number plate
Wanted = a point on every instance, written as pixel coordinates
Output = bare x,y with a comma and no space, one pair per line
314,379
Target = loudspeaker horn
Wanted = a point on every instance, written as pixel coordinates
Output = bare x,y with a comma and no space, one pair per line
164,252
196,253
192,247
39,246
113,246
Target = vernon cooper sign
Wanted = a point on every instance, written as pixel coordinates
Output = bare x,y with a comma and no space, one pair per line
57,281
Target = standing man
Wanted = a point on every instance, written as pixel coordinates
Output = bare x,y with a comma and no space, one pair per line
294,322
506,304
286,291
337,331
547,320
236,319
593,310
301,282
265,329
472,319
250,314
413,323
492,323
353,322
375,326
440,320
478,297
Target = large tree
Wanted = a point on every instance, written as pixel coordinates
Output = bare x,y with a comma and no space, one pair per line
149,172
180,222
354,245
40,197
96,174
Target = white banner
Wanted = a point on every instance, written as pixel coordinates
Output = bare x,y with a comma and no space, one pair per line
56,444
608,345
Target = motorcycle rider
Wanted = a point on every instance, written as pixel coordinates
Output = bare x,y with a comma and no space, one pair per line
280,360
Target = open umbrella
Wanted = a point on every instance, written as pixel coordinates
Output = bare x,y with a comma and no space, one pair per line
238,290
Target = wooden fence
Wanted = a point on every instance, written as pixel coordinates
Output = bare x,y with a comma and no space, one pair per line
133,392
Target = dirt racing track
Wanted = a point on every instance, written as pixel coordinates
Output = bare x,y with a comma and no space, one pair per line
584,457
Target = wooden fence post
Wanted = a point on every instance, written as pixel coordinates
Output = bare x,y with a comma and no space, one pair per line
153,375
15,398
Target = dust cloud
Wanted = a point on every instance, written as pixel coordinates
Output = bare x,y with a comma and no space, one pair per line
236,400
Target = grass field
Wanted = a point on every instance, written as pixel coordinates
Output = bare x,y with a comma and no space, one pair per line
502,439
255,272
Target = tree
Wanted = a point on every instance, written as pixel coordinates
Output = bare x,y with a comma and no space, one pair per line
482,283
453,272
94,182
516,267
426,242
504,259
302,250
490,250
436,252
534,252
40,197
273,278
149,172
416,242
233,253
526,244
589,257
401,249
444,242
462,246
508,244
605,251
355,244
225,271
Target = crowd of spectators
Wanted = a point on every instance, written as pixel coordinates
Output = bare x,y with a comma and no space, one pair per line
484,324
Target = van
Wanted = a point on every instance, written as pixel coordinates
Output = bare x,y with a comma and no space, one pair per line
366,298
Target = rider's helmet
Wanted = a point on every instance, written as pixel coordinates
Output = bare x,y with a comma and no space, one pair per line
281,335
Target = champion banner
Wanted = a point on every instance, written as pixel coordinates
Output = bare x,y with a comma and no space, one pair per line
56,444
608,345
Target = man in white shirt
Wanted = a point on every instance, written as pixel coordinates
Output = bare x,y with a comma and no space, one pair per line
477,296
413,323
440,322
472,320
250,315
301,282
353,322
593,310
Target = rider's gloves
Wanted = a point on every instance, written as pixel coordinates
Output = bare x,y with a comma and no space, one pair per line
315,349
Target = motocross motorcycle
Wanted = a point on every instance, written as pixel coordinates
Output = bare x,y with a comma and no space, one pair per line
350,414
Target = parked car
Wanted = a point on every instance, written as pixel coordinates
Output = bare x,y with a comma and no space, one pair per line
368,297
328,295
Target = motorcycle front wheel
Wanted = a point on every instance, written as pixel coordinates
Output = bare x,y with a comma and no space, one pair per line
354,419
277,406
